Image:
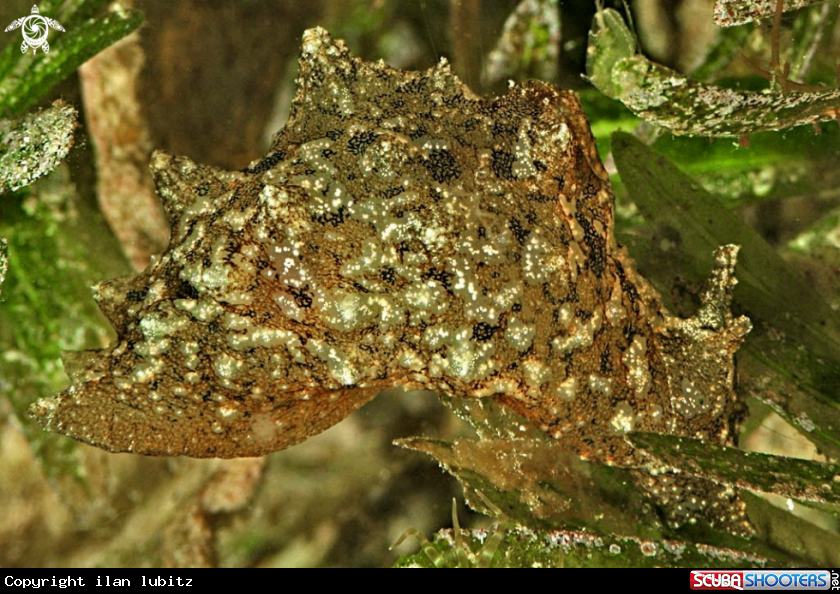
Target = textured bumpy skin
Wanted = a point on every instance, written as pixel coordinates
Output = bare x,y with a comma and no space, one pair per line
401,231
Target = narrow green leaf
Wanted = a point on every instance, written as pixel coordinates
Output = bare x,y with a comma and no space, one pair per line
684,106
794,536
796,334
68,13
668,99
542,486
729,13
610,41
33,76
562,548
532,478
538,484
33,145
768,287
788,477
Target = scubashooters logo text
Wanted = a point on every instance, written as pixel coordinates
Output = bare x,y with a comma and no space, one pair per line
754,579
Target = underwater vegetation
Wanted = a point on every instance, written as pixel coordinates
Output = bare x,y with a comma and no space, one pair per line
611,442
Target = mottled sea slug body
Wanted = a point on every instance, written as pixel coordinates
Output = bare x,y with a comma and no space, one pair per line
400,232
